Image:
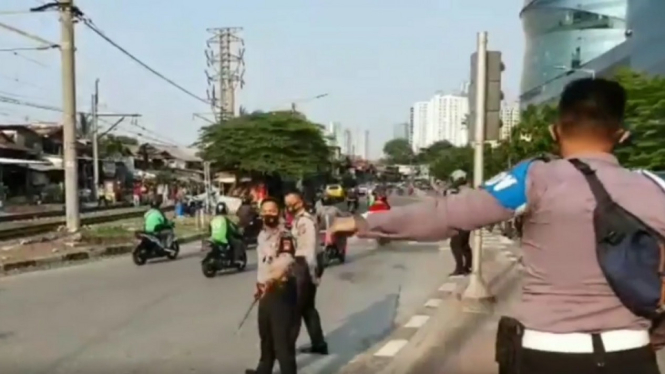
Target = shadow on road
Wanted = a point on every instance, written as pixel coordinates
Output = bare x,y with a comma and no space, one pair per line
359,332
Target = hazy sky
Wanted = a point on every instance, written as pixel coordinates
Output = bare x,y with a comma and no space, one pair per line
374,58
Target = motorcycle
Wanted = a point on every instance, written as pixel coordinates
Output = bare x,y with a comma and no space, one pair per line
250,233
150,247
221,257
381,242
331,252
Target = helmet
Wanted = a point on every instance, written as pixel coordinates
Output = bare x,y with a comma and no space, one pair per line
221,209
458,176
155,202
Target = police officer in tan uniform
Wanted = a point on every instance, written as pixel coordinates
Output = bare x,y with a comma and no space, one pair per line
308,269
278,314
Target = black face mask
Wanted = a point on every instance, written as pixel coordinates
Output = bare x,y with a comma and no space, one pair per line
271,221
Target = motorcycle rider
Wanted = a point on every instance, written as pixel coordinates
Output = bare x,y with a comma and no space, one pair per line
326,213
223,232
459,244
380,204
352,199
246,212
156,224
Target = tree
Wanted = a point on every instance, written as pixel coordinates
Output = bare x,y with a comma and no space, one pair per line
280,143
398,151
432,152
452,159
645,117
112,145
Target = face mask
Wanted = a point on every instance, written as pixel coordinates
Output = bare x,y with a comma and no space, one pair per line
271,221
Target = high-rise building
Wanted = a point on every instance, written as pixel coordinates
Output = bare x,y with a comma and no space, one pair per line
335,131
510,117
365,148
419,137
401,131
446,119
410,128
347,143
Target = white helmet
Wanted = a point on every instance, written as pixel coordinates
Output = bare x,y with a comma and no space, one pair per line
458,175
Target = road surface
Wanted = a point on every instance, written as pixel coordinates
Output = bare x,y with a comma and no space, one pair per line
114,317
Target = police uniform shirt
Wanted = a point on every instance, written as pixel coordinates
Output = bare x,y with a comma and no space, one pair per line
266,251
305,231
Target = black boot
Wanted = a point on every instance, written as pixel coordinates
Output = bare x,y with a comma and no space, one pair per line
317,350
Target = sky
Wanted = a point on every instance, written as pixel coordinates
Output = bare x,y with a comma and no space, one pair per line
373,58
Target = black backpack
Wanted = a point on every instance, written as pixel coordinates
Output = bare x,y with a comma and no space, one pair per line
631,254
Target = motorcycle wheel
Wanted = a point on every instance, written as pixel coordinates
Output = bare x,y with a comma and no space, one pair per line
139,257
176,250
209,268
242,264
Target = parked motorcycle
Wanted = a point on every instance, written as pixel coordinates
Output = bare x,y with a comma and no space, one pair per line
150,247
220,257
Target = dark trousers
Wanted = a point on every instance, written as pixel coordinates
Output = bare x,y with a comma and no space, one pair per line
634,361
307,304
278,316
459,245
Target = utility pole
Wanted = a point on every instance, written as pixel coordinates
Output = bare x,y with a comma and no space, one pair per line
227,62
67,48
95,141
95,134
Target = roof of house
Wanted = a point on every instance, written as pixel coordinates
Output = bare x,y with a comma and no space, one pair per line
179,153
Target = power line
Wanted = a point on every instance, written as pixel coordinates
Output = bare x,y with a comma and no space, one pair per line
101,34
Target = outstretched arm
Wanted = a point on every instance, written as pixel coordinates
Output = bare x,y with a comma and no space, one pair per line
436,219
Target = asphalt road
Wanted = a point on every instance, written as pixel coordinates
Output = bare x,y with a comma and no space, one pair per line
165,317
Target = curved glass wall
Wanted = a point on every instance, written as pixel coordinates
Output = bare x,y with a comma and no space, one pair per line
562,35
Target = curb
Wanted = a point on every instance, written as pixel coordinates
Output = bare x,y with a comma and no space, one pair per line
441,312
82,256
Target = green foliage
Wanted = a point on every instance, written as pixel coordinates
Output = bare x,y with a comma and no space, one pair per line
645,118
398,151
283,143
432,153
113,145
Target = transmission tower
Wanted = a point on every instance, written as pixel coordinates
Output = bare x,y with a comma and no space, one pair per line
226,70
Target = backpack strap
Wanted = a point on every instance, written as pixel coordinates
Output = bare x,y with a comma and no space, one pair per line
597,188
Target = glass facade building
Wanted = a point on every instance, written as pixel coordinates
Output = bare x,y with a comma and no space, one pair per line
566,40
563,35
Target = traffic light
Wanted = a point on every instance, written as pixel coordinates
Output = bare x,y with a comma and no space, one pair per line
493,96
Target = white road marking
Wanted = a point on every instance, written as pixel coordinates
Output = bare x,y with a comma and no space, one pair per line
391,348
433,303
448,287
417,322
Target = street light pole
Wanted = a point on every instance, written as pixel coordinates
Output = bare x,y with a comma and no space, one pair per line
477,297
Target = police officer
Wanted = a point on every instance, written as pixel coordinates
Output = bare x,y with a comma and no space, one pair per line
308,270
459,243
568,319
278,316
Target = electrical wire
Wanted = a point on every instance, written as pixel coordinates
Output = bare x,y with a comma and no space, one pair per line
101,34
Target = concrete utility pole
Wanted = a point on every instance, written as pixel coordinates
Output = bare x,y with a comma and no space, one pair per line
477,296
95,141
67,48
227,63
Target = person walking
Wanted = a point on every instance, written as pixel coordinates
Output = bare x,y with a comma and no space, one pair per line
276,292
308,270
569,318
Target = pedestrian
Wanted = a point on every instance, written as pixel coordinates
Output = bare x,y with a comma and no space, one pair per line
569,319
308,270
276,292
459,243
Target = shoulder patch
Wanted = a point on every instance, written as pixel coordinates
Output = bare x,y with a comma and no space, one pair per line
509,187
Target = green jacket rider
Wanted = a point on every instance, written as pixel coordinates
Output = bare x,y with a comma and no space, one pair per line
154,219
221,226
